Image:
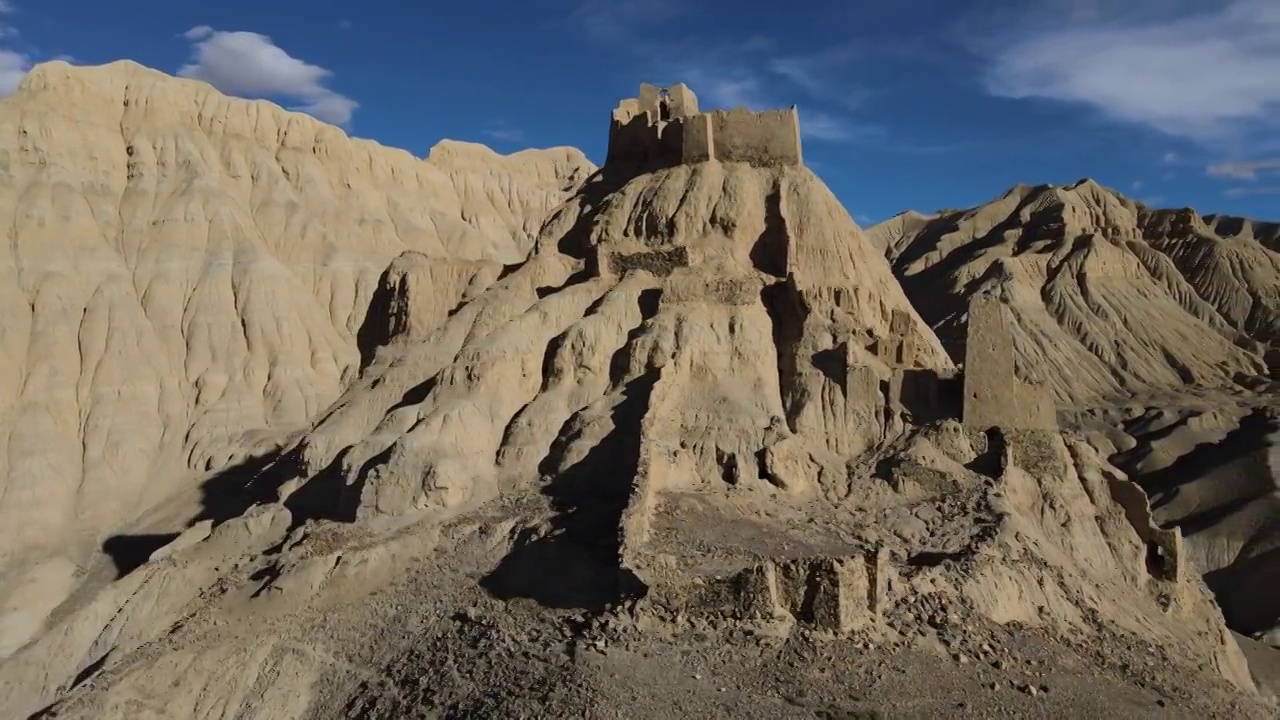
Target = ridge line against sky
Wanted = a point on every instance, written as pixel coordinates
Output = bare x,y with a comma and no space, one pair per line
928,103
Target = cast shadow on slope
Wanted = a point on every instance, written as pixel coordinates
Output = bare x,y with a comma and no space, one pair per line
577,564
576,241
1225,478
235,489
1164,486
931,288
230,492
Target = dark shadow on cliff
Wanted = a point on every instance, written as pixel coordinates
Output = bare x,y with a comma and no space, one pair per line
769,253
788,313
1248,592
1234,488
1245,444
375,329
130,552
576,242
230,492
577,564
930,290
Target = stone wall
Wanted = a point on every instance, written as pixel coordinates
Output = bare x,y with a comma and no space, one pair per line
653,469
899,349
763,139
926,395
661,262
1165,560
830,594
993,395
697,140
649,130
638,141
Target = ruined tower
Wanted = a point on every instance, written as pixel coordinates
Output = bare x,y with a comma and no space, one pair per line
993,394
663,127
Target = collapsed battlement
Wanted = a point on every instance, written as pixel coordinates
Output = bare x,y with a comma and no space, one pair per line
663,127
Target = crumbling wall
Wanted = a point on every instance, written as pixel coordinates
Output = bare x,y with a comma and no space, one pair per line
682,101
762,139
664,127
697,285
661,262
927,395
634,140
653,468
698,140
993,395
899,348
649,130
1164,547
831,594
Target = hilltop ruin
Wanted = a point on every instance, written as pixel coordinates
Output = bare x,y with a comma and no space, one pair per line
663,127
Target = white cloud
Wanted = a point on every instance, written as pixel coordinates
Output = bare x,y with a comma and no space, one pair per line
14,64
1239,192
13,67
727,91
1170,158
251,65
825,75
745,72
1136,185
506,135
1213,76
606,20
1243,170
813,73
820,126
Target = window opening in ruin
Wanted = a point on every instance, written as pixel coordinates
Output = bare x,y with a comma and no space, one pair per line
664,105
1157,560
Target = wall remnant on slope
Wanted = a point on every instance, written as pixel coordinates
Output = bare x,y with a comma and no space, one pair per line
660,263
993,395
663,127
830,594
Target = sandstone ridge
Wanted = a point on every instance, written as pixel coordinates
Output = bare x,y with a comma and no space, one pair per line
1108,297
417,418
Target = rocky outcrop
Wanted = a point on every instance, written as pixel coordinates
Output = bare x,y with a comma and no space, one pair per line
1107,296
189,276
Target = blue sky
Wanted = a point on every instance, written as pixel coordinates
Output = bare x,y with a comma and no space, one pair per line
920,104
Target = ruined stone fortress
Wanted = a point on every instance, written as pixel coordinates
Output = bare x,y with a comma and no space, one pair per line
663,127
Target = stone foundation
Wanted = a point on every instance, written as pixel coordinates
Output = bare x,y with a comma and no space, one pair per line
831,594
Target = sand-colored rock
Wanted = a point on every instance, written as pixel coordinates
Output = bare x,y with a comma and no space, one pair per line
1107,296
398,411
189,275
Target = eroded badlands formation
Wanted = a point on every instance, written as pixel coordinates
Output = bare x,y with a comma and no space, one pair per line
302,426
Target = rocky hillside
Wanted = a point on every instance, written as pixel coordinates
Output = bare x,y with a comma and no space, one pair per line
323,430
1109,297
187,275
